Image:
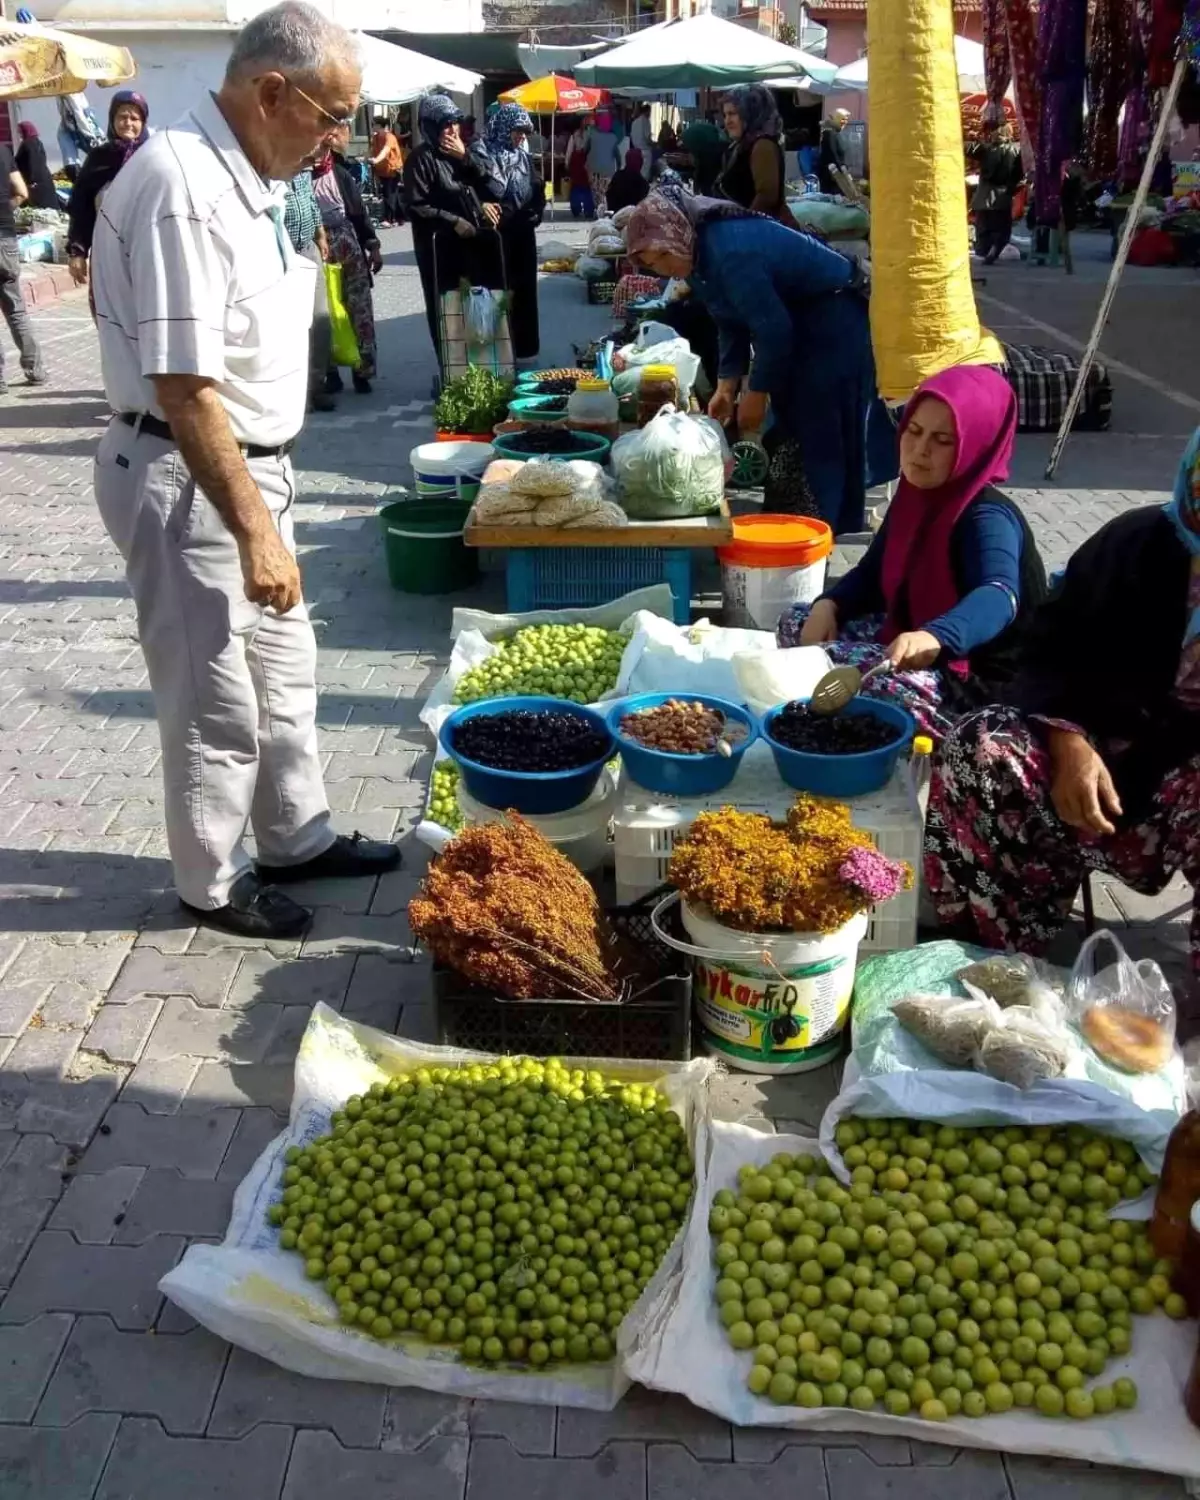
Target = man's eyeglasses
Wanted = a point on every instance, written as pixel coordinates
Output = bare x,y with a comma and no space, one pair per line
340,121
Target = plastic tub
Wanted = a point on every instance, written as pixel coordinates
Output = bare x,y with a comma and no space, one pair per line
450,470
767,1002
773,562
526,791
424,547
594,402
679,775
581,834
844,775
536,409
585,445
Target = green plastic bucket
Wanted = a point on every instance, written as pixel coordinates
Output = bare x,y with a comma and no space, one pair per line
422,541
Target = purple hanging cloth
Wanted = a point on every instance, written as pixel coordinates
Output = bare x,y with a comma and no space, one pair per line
1062,67
1189,33
997,61
1110,77
1022,47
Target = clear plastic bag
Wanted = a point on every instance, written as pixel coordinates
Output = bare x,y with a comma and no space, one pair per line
1010,979
1126,1010
1027,1044
481,315
674,466
951,1028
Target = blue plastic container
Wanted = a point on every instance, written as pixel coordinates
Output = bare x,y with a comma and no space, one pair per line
537,409
680,775
844,775
574,577
587,445
527,791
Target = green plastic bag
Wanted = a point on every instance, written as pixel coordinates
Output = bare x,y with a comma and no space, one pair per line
343,344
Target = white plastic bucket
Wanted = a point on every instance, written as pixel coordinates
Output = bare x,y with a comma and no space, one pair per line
768,1003
449,471
754,598
581,834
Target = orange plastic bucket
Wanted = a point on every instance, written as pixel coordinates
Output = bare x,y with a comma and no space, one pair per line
773,562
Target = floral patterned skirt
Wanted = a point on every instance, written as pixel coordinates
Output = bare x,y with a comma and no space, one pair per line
346,252
1002,869
935,699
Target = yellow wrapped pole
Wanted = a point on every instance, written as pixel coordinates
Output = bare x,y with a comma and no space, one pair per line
923,315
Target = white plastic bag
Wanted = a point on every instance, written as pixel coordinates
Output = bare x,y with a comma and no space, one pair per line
674,466
592,268
481,314
255,1294
675,351
1126,1011
687,659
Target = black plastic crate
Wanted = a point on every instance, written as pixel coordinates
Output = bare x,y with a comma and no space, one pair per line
654,1022
600,292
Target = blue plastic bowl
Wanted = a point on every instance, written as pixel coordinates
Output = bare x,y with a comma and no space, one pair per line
534,409
527,791
844,775
587,445
679,775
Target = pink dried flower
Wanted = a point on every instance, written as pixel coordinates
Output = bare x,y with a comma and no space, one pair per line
875,875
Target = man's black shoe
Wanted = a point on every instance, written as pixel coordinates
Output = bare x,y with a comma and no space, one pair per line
255,910
345,858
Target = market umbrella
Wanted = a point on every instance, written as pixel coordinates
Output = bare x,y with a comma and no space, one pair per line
968,59
397,75
38,62
701,51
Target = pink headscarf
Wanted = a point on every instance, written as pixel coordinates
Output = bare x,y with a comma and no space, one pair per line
918,577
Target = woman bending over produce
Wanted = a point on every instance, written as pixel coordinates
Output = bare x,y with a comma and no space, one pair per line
799,306
1098,765
946,589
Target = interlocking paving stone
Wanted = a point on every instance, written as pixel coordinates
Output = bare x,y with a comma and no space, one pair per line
617,1472
1057,1479
37,1463
193,1144
173,1377
224,1084
205,977
673,1474
414,1418
262,977
166,1203
185,1029
852,1475
767,1445
255,1131
528,1429
69,1109
321,1467
119,1032
255,1391
92,1203
28,1354
147,1464
643,1415
161,1084
44,1051
60,1275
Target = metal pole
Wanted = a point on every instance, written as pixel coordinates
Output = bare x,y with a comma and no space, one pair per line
1128,230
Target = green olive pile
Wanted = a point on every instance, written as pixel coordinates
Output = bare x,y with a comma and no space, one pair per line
962,1272
443,796
514,1211
578,662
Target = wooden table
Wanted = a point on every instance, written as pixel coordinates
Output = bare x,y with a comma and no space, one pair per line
556,567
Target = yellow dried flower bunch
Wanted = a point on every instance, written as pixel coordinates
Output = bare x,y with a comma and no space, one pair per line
762,876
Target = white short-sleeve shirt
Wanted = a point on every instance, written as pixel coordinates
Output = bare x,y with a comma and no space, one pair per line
193,273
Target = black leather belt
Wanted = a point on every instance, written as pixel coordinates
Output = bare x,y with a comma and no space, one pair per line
156,427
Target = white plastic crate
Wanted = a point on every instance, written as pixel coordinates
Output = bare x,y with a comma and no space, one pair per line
647,824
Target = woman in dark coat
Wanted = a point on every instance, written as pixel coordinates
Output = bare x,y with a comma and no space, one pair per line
353,245
515,183
1096,765
128,115
33,167
754,171
444,188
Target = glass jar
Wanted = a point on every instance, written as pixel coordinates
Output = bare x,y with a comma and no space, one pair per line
658,388
593,407
1186,1280
1178,1188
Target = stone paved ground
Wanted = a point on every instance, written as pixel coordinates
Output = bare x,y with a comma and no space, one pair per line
144,1064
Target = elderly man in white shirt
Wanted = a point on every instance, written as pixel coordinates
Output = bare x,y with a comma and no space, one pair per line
203,309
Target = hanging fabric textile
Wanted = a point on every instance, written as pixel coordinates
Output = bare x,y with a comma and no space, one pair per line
1166,17
1110,77
997,62
1189,33
1022,47
1062,65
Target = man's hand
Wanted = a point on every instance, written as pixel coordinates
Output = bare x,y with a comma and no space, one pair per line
375,258
913,650
269,571
78,267
321,241
491,212
751,412
821,625
1081,787
464,229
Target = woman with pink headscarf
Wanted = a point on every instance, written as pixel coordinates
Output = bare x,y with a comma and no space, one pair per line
946,590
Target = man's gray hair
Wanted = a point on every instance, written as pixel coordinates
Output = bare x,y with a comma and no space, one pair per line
294,39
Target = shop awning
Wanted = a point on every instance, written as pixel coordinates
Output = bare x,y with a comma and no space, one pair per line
38,62
701,51
395,75
480,51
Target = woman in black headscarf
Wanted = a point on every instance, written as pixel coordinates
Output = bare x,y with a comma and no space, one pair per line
34,168
444,189
127,117
753,174
515,182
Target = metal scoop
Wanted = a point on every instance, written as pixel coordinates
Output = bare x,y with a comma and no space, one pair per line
838,686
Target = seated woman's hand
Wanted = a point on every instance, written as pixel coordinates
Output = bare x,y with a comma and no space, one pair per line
1081,787
913,650
821,625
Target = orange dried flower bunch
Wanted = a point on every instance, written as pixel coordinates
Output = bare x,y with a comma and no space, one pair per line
501,906
758,875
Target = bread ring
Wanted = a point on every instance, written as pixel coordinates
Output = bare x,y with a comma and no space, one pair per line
1127,1038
